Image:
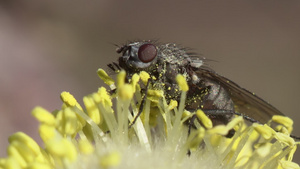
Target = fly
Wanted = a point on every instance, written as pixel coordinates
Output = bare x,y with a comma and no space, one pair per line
219,97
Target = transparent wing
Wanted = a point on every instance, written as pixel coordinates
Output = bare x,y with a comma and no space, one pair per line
245,102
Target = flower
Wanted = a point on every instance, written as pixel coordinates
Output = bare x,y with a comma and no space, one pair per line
99,136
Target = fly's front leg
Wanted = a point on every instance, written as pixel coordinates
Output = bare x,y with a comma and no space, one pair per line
141,106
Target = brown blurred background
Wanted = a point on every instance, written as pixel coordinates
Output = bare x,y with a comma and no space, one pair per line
47,47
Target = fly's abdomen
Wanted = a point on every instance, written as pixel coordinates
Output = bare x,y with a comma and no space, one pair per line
213,99
217,98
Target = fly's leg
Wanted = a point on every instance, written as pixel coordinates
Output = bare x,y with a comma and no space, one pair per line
229,112
247,118
114,67
141,106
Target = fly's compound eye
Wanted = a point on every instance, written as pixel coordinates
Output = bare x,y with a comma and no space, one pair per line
147,52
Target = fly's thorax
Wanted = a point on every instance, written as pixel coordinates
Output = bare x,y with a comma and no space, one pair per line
172,61
173,54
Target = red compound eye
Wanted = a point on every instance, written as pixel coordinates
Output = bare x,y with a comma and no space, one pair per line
147,52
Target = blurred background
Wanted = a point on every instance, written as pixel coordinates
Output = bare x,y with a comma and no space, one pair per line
47,47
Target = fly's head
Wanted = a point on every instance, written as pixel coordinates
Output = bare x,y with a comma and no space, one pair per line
138,56
162,61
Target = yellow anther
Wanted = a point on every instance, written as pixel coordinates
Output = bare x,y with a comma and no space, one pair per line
286,139
186,114
85,147
234,122
67,122
47,132
106,79
121,79
172,105
37,165
12,151
220,129
69,100
62,148
134,80
182,82
289,164
43,116
92,109
126,92
144,77
112,159
264,130
21,137
11,163
204,119
286,121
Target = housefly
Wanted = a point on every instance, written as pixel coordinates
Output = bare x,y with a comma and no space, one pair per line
219,97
